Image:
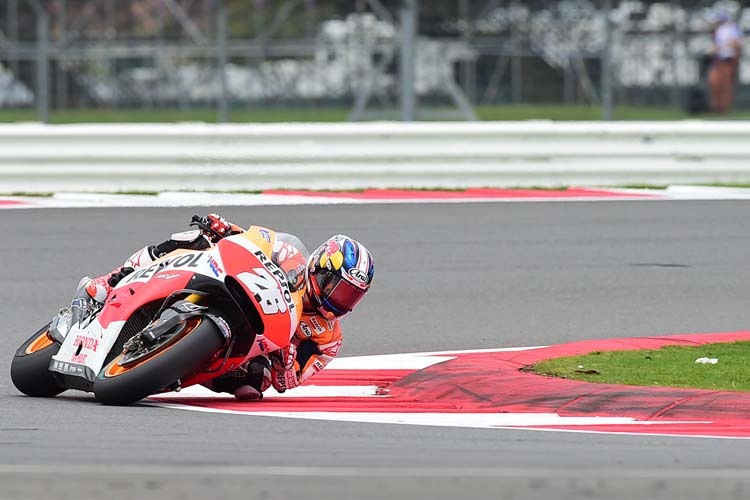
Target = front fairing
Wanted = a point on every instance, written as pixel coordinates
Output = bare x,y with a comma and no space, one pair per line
242,261
264,282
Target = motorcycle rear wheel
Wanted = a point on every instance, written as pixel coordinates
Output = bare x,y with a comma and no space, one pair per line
181,356
29,369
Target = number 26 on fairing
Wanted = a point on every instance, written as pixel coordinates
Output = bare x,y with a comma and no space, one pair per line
266,289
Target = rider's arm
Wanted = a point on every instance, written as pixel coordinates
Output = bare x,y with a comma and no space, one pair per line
210,229
318,342
315,343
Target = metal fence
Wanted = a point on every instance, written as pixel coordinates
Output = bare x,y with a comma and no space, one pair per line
375,58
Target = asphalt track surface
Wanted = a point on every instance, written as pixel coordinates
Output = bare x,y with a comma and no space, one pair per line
449,276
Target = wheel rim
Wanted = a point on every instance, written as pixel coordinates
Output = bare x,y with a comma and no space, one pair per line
40,342
114,369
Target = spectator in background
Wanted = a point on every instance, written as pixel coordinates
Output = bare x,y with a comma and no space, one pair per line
722,75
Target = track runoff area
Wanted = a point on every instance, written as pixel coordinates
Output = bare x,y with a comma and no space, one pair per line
429,388
379,196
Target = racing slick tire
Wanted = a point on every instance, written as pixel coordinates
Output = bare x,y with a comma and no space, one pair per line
181,356
29,369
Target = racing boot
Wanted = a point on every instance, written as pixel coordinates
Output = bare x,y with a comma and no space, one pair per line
83,304
99,288
92,292
257,381
247,382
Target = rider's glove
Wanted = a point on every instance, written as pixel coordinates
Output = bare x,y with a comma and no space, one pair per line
283,369
214,226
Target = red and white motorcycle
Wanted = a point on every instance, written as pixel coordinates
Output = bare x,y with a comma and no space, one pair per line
189,317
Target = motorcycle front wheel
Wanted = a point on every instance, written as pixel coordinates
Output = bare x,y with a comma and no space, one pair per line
179,356
29,369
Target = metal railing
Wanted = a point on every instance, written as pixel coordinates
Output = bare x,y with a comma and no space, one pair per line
372,56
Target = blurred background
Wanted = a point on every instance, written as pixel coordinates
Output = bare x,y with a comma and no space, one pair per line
313,60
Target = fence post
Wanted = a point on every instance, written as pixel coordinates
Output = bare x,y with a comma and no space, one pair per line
516,68
221,61
606,62
42,62
12,18
408,17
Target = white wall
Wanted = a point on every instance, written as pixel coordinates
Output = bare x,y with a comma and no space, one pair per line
39,158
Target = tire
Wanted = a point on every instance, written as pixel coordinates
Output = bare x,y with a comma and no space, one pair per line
29,369
185,354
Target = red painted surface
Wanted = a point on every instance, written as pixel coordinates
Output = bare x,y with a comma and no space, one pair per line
492,382
13,203
468,194
380,378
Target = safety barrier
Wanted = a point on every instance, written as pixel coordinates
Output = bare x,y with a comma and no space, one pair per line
194,156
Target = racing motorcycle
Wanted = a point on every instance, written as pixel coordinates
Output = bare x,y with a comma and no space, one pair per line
187,318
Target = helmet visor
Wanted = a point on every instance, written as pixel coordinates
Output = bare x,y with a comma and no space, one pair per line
337,294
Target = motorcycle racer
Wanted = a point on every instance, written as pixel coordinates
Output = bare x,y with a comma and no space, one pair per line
334,278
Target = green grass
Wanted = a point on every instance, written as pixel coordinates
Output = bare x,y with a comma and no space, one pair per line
28,194
742,185
340,114
577,112
231,191
136,192
672,366
176,115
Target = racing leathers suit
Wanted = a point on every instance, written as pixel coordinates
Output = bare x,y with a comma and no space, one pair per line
315,342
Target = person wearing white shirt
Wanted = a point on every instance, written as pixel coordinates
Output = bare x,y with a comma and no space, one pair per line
722,75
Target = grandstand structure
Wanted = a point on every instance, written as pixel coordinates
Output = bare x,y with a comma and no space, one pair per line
375,57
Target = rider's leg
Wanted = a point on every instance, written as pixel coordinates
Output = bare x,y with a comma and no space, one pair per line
100,287
248,382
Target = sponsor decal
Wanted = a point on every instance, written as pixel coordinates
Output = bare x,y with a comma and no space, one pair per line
332,247
62,367
78,358
358,275
280,276
189,307
266,235
285,251
280,385
86,343
166,276
145,273
262,344
215,267
186,260
223,326
305,329
317,325
331,257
